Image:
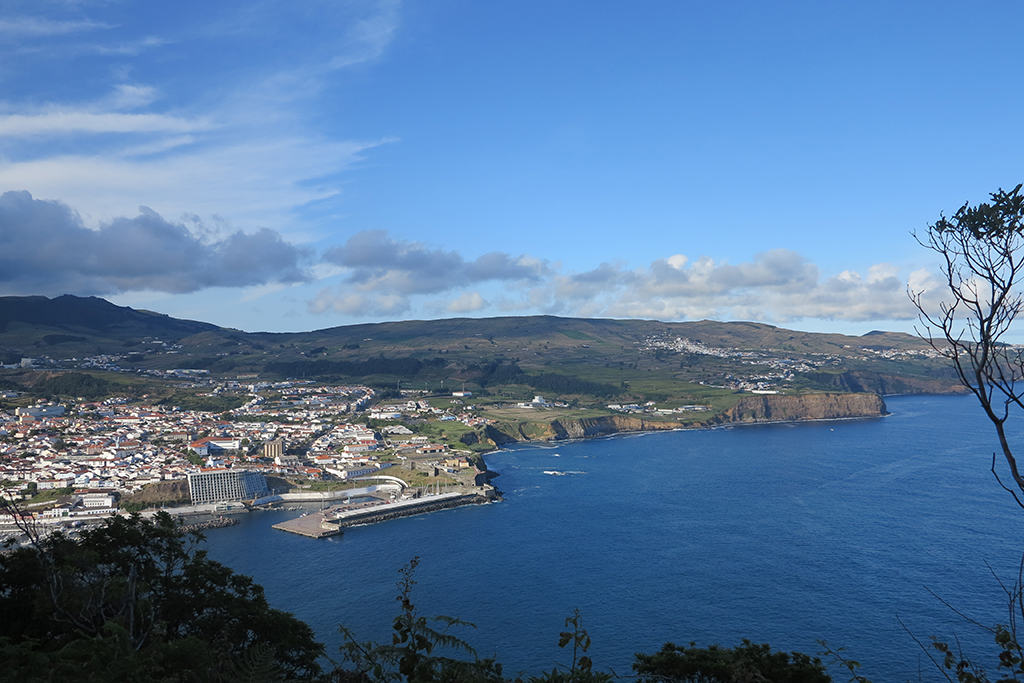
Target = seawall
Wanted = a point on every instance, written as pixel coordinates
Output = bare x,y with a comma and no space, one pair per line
418,506
333,522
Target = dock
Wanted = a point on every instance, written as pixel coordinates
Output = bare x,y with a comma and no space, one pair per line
404,508
334,521
313,525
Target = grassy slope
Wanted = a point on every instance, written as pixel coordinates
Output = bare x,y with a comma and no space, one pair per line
605,351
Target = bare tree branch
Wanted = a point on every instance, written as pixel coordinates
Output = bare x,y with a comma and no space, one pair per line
982,262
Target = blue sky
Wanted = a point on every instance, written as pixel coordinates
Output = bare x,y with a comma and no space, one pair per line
291,166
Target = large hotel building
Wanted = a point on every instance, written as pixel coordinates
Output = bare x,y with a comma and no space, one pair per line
222,484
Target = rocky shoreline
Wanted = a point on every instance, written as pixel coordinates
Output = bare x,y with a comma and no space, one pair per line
755,409
218,523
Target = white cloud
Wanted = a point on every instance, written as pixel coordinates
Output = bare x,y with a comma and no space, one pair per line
357,303
64,122
34,27
377,262
468,302
242,146
134,47
777,286
369,36
129,96
382,275
157,146
258,183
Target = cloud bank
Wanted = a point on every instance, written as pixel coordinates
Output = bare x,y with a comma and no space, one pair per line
385,276
46,249
223,136
382,274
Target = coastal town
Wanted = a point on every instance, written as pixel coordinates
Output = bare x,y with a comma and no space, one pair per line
86,460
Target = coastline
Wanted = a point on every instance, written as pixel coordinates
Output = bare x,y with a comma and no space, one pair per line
749,410
569,431
585,430
551,444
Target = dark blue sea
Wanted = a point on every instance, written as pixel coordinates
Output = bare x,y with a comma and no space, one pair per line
783,534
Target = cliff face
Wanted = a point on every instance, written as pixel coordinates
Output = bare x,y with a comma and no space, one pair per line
886,385
749,409
611,424
775,408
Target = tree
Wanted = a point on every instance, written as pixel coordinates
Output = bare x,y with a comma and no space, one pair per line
746,662
982,263
582,668
414,655
144,594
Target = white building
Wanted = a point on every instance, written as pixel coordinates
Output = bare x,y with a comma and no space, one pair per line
213,486
40,411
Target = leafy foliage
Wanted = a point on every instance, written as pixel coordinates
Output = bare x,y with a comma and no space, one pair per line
139,597
500,373
212,404
746,662
403,367
582,668
74,384
982,250
982,258
52,339
413,655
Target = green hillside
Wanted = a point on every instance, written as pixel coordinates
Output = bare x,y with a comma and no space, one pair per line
585,360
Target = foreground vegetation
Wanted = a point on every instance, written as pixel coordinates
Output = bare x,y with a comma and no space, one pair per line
138,600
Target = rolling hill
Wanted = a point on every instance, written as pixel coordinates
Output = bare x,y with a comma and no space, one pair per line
594,360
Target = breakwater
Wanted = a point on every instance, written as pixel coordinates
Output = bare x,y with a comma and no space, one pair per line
334,521
416,506
218,523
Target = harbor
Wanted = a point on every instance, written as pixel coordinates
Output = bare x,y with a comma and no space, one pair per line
335,520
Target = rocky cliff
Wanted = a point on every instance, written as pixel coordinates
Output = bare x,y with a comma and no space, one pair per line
749,409
611,424
859,381
787,408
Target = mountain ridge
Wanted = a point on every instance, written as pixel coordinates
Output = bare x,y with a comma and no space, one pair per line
637,358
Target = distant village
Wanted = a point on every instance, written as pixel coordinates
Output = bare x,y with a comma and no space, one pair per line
97,454
779,369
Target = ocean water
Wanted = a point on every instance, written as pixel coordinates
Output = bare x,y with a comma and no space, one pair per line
782,534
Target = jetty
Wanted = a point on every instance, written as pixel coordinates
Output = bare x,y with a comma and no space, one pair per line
336,520
314,525
218,523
